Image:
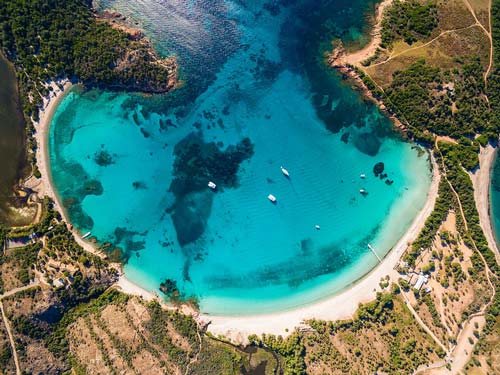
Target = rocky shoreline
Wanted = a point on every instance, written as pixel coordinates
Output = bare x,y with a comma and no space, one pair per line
337,60
145,53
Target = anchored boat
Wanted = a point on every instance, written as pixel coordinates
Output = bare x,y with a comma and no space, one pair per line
272,198
284,171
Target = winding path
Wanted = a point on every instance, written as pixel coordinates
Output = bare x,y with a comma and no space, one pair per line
421,322
487,32
458,355
424,45
7,323
351,58
11,339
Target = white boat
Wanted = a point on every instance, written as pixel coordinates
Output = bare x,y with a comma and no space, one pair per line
86,235
285,172
272,198
362,175
317,227
363,191
212,185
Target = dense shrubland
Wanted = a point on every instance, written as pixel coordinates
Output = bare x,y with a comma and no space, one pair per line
50,39
408,20
380,338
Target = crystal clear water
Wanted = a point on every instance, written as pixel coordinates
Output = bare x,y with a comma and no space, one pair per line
257,96
495,197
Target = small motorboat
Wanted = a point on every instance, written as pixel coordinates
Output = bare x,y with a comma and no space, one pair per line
363,191
212,185
284,171
86,235
317,227
272,198
362,175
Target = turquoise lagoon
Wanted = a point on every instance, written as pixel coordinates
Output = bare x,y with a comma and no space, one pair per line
134,170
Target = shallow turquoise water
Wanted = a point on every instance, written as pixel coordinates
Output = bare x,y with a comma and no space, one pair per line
495,197
134,170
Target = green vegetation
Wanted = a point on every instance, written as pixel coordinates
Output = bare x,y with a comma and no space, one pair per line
386,321
162,339
461,182
292,349
346,346
432,224
408,20
450,103
488,343
57,341
51,39
5,356
494,78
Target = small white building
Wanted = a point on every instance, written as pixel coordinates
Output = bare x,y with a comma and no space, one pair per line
420,282
58,283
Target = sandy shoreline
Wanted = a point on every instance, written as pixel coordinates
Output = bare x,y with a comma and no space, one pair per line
482,181
356,57
339,306
43,186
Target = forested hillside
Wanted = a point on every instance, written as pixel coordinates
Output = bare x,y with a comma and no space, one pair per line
52,39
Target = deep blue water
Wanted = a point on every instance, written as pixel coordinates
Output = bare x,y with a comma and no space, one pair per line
134,169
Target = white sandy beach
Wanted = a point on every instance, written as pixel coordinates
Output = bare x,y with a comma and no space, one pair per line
43,186
339,306
356,57
482,181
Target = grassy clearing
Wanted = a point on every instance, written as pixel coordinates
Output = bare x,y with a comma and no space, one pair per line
453,14
445,52
453,38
